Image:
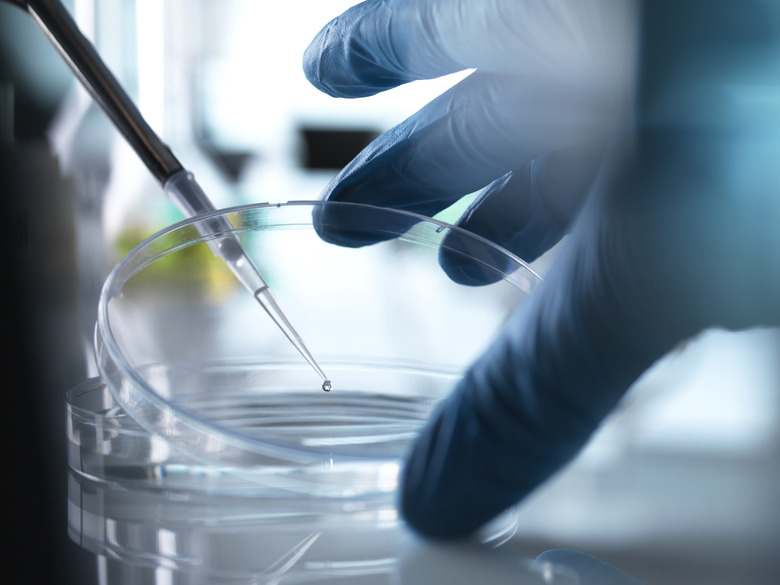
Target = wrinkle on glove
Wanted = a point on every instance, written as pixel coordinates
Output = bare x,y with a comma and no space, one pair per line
380,44
363,51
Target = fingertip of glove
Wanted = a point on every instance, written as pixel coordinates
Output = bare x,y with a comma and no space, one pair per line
421,501
431,519
343,61
324,70
444,511
336,224
470,270
470,261
355,225
441,494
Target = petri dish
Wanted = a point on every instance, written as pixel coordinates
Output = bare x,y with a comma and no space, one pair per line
187,518
212,397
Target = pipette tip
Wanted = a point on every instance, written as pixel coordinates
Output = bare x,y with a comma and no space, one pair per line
267,300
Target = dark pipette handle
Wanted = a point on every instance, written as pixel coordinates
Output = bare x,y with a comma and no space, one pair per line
57,23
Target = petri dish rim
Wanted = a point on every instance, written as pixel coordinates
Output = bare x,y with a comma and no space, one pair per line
522,276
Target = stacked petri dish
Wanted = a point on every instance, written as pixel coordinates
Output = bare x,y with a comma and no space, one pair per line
207,430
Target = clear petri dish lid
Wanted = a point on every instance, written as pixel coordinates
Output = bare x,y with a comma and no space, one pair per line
192,359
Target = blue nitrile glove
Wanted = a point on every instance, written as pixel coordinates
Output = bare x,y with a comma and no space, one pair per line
561,97
679,233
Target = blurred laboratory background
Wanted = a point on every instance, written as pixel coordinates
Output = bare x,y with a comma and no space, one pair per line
679,486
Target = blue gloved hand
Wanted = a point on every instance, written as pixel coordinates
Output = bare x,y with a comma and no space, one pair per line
561,97
676,207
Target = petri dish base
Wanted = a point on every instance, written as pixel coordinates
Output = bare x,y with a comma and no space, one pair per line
212,396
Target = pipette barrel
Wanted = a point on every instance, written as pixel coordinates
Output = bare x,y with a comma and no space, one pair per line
184,190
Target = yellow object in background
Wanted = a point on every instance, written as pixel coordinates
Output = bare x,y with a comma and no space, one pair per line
195,268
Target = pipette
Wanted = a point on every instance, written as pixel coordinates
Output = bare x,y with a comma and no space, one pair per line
179,184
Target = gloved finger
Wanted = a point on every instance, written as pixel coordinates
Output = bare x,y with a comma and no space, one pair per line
475,132
589,570
380,44
691,242
561,364
526,211
651,261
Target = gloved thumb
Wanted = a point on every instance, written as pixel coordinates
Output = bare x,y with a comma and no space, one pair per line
531,402
526,211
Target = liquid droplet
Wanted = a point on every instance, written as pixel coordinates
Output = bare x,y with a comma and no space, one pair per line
327,386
